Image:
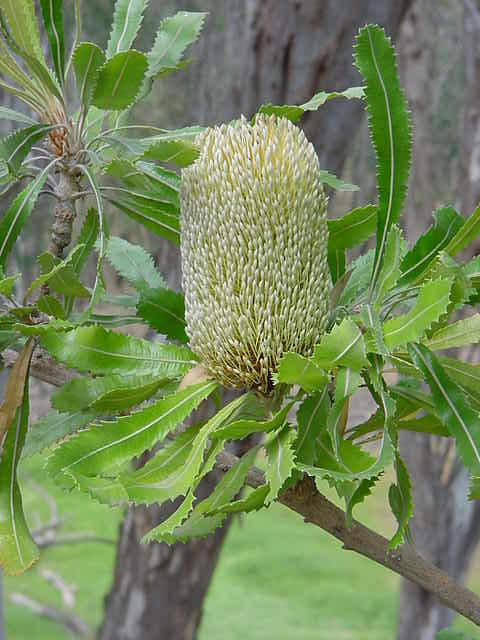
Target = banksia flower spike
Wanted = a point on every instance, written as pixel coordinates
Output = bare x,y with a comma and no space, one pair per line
254,249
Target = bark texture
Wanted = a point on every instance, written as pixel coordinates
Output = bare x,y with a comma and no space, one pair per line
252,51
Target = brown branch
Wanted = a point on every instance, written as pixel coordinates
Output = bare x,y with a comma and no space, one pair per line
306,500
43,367
316,509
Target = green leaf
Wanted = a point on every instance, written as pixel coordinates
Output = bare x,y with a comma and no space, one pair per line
465,235
198,524
280,453
164,310
100,351
109,444
7,284
51,306
254,501
457,334
312,418
428,246
178,152
127,19
390,270
296,369
22,23
87,61
431,304
52,428
401,502
15,147
353,228
161,221
293,112
474,493
60,275
119,81
359,279
162,532
17,549
343,346
148,178
240,429
15,116
355,493
389,129
336,264
134,264
174,35
335,183
165,478
106,394
105,490
346,384
53,21
453,410
18,213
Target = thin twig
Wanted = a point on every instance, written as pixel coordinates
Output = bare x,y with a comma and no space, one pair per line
73,624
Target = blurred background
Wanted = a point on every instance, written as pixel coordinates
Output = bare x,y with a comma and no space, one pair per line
269,575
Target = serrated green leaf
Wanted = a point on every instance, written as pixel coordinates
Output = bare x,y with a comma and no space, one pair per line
312,418
148,178
119,81
293,112
254,501
53,22
474,493
343,346
354,493
389,129
106,394
452,408
296,369
335,183
359,280
15,147
390,270
347,383
127,18
353,228
457,334
336,264
17,548
174,35
108,444
465,235
178,152
18,213
447,223
134,264
105,490
401,502
280,453
87,61
100,351
51,306
22,23
15,116
431,304
162,532
52,428
60,275
167,478
164,310
242,428
27,329
163,222
7,284
198,524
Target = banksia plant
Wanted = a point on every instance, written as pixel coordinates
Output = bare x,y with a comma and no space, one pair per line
254,249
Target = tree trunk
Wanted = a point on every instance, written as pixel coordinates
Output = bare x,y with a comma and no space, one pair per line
253,51
446,525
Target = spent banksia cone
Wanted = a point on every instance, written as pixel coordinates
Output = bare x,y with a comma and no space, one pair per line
254,249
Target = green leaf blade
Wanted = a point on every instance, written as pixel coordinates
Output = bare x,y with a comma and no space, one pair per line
119,81
127,18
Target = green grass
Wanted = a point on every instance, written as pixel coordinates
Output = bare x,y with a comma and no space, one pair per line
277,578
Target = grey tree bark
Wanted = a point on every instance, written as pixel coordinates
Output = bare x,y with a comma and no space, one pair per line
446,526
253,51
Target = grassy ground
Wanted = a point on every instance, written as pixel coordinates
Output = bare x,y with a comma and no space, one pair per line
277,578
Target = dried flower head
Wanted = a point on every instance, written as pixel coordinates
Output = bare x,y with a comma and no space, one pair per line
254,249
